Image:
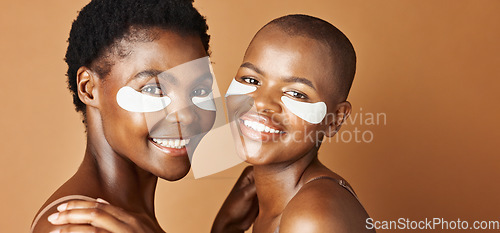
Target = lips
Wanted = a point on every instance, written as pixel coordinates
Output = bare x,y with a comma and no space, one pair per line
171,143
171,146
260,127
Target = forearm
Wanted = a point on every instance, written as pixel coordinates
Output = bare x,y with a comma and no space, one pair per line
222,224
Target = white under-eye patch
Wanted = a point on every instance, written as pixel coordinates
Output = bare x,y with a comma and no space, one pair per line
134,101
311,112
237,88
205,103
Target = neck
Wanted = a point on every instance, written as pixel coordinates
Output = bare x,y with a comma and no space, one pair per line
278,183
117,179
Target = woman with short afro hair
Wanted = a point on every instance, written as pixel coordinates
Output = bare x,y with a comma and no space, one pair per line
111,43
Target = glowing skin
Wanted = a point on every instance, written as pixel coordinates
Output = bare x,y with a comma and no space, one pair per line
128,151
313,113
285,121
135,101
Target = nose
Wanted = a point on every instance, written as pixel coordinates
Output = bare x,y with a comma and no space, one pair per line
267,100
181,112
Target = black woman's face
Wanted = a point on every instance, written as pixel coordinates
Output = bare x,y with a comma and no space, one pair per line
281,115
158,140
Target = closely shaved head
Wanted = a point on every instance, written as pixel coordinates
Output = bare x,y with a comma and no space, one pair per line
341,49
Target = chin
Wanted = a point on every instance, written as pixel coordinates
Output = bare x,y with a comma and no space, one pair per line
176,173
256,159
254,162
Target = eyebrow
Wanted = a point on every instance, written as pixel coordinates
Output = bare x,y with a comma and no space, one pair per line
294,79
147,74
205,76
252,67
291,79
170,78
155,73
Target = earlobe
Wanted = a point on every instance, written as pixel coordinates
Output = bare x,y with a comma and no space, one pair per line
86,84
343,110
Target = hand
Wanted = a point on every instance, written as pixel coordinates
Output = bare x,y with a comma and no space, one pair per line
99,216
240,208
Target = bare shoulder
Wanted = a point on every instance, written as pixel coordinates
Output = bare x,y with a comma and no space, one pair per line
73,189
41,223
324,205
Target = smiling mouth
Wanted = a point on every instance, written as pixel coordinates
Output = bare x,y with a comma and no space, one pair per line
261,128
171,143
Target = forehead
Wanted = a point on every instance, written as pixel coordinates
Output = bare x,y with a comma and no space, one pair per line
167,49
281,55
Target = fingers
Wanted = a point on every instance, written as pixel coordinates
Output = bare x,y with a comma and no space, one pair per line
79,204
94,217
98,215
101,204
247,172
246,178
80,229
248,192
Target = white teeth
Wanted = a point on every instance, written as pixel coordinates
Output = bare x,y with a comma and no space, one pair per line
172,143
260,127
267,129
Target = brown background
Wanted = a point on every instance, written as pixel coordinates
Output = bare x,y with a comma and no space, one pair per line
432,67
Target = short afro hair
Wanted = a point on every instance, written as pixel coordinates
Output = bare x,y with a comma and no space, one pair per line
103,23
340,47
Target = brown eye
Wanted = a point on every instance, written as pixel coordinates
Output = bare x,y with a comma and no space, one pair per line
251,80
154,90
296,95
200,92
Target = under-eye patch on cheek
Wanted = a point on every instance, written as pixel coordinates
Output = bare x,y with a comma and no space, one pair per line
134,101
313,113
205,102
237,88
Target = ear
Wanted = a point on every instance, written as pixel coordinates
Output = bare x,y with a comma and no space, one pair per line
86,82
342,112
